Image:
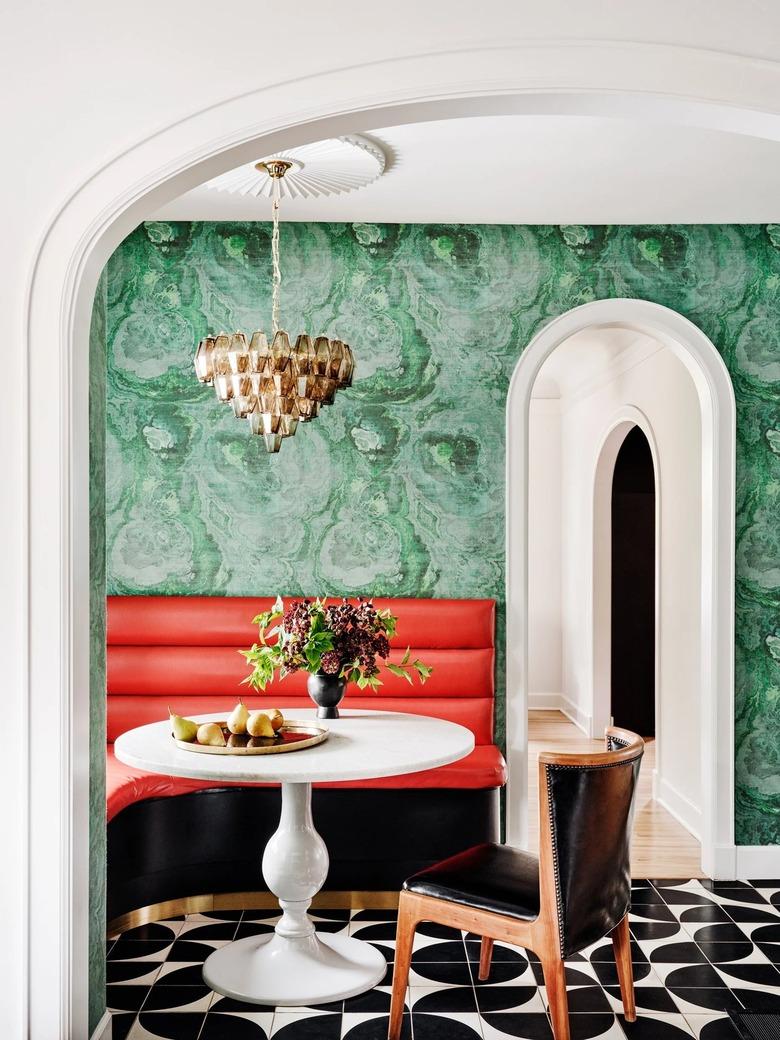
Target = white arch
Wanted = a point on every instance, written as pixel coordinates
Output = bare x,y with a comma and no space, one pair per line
718,418
47,644
599,621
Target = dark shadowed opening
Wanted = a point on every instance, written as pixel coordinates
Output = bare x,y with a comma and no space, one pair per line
633,586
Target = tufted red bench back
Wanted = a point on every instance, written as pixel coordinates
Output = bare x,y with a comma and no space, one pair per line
183,651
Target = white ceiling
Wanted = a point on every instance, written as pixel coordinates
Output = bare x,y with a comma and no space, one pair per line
589,358
540,170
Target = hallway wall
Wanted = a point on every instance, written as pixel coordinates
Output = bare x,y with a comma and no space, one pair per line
545,621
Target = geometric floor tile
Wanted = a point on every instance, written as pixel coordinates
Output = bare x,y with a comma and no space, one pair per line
699,950
711,1027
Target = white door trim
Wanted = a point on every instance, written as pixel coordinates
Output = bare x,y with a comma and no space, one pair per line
718,416
45,643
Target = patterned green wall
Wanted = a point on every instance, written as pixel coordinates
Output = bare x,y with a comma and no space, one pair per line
399,488
97,671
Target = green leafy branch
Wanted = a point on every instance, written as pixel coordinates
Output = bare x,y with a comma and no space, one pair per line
402,670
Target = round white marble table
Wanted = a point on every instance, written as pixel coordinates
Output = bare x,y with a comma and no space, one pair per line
295,965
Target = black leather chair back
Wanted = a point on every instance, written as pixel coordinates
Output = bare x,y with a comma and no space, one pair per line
591,811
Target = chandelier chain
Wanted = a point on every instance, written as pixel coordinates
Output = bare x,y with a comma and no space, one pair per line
277,273
278,385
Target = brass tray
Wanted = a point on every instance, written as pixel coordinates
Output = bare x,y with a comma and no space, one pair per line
293,736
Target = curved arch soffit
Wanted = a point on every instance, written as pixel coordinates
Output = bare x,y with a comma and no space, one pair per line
627,80
718,420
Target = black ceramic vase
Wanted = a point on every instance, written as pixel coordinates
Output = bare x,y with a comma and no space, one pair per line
326,691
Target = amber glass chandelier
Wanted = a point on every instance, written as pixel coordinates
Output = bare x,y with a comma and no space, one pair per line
275,385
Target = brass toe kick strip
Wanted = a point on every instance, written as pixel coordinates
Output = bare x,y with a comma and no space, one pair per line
205,904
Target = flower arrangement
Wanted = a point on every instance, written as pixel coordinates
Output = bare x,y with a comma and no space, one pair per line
347,641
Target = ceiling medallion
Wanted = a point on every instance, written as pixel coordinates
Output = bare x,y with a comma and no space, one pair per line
332,167
274,386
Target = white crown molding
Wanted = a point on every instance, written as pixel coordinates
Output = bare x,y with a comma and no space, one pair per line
546,405
640,349
633,354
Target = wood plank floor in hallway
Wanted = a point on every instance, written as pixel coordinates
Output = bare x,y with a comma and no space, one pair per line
662,847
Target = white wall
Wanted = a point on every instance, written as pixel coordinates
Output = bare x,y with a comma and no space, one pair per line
561,550
545,676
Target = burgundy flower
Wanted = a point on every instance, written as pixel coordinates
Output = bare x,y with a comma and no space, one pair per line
315,636
330,662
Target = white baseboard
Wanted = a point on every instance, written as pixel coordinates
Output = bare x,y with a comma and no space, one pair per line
677,805
103,1028
544,701
742,862
558,702
758,861
720,862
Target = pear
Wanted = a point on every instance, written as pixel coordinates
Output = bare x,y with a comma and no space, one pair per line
183,729
211,734
276,717
236,721
259,725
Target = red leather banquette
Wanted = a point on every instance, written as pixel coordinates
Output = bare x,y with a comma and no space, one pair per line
183,652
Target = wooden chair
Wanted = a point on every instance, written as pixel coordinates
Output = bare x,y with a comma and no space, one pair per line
577,891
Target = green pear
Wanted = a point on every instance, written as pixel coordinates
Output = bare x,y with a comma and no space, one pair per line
211,734
276,717
183,729
236,721
259,725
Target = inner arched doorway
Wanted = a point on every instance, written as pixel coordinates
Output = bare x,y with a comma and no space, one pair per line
633,574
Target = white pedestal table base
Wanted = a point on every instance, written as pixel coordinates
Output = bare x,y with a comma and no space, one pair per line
275,970
294,966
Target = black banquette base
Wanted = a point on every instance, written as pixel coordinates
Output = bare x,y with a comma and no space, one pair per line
211,841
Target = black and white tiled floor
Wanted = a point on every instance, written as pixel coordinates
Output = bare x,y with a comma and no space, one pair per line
700,949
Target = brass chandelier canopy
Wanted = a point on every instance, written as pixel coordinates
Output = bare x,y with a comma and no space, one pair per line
274,386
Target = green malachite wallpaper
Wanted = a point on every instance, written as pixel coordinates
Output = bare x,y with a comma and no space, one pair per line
399,488
97,669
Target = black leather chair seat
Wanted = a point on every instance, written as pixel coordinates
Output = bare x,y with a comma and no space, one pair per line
495,878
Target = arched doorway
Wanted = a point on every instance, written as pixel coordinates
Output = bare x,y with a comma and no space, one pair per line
633,575
612,412
714,667
53,578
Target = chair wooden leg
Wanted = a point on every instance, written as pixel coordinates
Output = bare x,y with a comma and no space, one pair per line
621,942
403,959
555,984
485,957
